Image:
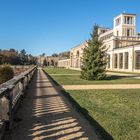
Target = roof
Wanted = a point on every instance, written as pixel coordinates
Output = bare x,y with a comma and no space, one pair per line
125,14
128,14
79,45
107,28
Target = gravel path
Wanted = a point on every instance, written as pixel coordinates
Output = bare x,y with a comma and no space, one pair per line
46,115
123,74
109,86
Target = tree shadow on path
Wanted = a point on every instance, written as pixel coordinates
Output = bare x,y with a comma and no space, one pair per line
45,115
101,132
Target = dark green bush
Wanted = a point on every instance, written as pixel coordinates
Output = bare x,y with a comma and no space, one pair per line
6,73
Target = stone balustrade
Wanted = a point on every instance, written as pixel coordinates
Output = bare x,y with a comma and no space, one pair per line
11,93
20,66
127,38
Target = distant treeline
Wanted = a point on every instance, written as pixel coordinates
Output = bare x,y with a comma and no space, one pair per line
14,57
63,54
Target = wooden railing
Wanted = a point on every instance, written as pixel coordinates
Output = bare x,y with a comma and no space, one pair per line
11,93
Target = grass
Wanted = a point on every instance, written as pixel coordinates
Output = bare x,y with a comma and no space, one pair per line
110,111
51,70
73,79
76,80
117,111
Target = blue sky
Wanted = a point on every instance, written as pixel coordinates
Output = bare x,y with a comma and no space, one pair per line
53,26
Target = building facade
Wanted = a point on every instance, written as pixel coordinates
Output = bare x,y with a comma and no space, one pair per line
40,60
122,45
76,55
64,63
50,60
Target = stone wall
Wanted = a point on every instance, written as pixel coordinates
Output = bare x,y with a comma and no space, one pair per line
64,63
11,93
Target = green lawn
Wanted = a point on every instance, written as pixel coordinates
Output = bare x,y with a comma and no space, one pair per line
117,111
76,80
51,70
66,79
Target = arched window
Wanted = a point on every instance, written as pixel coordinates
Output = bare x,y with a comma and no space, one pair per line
77,54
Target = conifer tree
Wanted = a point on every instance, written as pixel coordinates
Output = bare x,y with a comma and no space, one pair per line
93,61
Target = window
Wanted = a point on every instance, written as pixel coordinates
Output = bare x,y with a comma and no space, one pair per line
117,33
117,43
118,21
77,53
128,32
115,60
123,32
120,60
128,20
137,59
124,19
133,32
126,60
108,60
132,21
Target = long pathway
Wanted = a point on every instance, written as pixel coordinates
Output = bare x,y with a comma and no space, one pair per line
102,86
46,115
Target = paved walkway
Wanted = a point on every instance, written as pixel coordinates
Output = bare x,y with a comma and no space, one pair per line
108,86
46,115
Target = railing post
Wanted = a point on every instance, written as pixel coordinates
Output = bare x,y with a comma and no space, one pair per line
23,87
6,108
10,113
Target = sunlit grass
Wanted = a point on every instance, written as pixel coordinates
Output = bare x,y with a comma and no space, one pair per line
55,70
74,78
117,111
